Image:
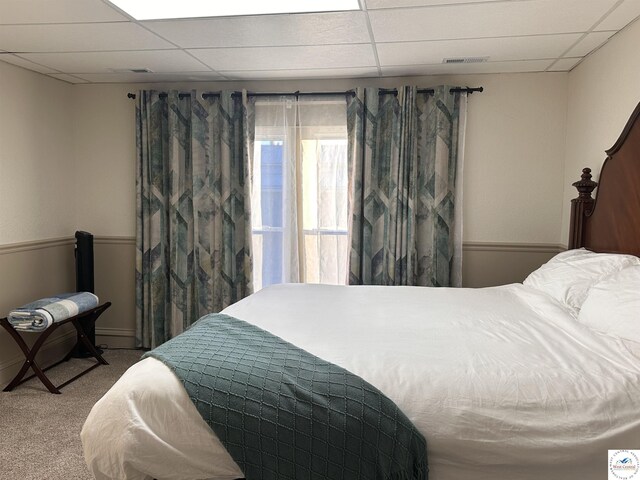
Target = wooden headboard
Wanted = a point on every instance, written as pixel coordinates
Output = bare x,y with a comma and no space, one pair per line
611,222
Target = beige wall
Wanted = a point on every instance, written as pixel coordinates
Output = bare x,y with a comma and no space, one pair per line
490,263
513,161
81,166
115,281
603,91
104,146
67,157
31,270
37,199
36,156
515,137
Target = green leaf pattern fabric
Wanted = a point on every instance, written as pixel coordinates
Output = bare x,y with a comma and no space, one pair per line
193,254
403,154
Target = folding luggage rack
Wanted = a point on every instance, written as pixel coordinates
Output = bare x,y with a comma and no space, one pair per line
90,316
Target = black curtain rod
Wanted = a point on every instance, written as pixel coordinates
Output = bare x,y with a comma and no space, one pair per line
383,91
468,90
297,94
258,94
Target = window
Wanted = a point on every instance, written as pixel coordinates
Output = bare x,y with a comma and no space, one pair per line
299,206
269,233
324,180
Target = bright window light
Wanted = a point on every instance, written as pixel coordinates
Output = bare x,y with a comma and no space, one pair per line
159,9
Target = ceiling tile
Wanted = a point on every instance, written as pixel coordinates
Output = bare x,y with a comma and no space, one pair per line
286,58
296,74
107,62
268,30
58,11
68,78
589,43
415,33
564,65
78,37
493,19
374,4
626,13
516,48
468,68
150,77
21,62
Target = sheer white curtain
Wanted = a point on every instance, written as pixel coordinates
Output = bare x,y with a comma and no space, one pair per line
299,192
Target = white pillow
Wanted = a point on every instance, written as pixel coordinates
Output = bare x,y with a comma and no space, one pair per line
613,305
568,276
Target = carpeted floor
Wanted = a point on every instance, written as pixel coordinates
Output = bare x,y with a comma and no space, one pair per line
40,432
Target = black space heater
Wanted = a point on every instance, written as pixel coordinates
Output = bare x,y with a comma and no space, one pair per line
84,283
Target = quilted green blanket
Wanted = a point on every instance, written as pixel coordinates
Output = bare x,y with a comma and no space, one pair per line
283,413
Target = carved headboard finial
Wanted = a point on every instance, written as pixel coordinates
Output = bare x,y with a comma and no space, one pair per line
585,185
581,206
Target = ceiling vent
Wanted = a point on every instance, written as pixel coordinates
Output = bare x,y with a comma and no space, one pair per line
131,70
465,60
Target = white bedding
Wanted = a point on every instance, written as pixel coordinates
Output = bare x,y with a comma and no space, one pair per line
503,383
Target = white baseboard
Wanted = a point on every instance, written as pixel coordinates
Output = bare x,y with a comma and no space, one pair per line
115,332
116,337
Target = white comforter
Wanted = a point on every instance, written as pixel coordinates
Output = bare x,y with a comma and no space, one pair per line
503,383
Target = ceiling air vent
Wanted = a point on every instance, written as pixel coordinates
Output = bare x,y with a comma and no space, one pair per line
465,60
131,70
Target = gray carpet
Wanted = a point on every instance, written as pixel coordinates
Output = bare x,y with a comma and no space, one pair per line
34,421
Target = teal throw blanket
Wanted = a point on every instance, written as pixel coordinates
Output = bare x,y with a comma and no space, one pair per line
283,413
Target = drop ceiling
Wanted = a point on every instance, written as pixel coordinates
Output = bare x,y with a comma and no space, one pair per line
91,41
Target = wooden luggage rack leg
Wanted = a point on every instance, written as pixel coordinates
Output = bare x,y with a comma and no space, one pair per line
30,354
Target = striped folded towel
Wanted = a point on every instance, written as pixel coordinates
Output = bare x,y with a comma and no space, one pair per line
41,314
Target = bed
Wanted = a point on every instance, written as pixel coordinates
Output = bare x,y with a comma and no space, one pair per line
522,381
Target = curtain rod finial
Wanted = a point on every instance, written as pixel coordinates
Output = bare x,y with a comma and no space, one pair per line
131,95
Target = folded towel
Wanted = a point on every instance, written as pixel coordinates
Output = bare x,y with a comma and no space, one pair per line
41,314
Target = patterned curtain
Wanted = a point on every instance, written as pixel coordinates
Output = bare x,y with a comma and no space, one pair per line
405,165
193,238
